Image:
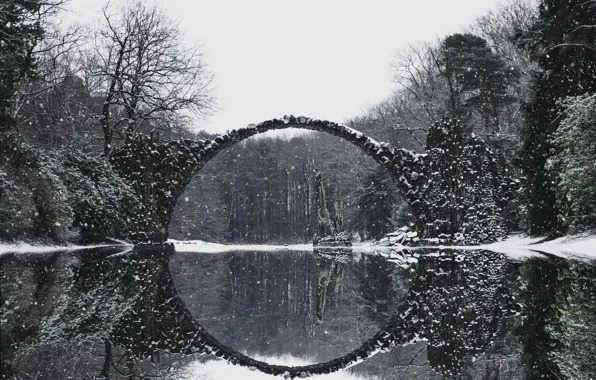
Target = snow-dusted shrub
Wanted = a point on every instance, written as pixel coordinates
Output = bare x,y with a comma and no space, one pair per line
575,160
32,197
53,213
56,193
104,205
16,206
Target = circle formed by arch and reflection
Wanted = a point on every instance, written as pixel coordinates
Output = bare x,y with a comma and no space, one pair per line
447,305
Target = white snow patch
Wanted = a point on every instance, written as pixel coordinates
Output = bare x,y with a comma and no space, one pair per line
359,134
516,247
578,247
205,247
222,370
28,248
581,247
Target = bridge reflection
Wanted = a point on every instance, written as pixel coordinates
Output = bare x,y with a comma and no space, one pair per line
456,304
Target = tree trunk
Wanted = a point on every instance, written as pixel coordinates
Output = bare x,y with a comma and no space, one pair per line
105,371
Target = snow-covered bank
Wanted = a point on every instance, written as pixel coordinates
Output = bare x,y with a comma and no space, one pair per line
200,246
516,247
29,248
582,247
577,247
222,370
205,247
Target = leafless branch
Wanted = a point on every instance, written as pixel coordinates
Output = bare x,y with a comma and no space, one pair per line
149,75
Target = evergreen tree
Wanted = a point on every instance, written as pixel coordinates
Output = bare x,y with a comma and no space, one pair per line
575,142
563,43
478,78
20,32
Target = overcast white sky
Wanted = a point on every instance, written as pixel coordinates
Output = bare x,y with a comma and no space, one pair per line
327,59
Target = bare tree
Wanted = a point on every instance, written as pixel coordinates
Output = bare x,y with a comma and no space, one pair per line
48,106
29,40
55,108
431,80
422,98
502,29
147,77
422,83
502,26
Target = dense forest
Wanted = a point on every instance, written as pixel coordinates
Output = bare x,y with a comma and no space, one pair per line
521,78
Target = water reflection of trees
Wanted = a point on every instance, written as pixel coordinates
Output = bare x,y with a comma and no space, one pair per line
559,329
123,317
86,317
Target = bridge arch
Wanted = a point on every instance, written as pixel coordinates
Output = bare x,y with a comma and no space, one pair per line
391,159
173,164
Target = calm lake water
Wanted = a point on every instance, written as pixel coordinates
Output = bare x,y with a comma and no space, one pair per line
151,311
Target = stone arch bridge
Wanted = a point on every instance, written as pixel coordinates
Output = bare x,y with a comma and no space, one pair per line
159,171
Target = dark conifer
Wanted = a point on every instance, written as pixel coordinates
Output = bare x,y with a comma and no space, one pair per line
563,43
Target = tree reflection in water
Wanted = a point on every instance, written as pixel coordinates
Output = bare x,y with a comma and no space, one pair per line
120,314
